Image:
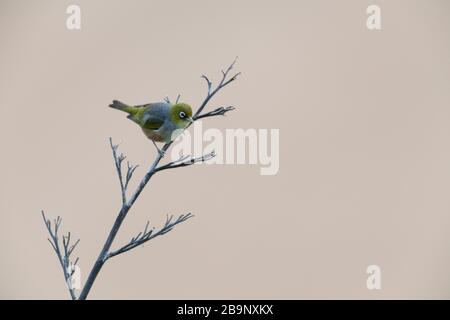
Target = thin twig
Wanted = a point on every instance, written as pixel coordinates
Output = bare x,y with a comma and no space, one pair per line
223,82
216,112
147,235
118,159
186,161
130,171
63,257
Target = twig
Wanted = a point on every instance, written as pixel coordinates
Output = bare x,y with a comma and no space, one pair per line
118,159
186,161
146,235
223,82
217,112
63,257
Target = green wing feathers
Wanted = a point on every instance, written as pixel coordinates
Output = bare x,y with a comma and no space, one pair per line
139,114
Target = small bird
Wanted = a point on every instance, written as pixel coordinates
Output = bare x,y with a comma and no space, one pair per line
160,121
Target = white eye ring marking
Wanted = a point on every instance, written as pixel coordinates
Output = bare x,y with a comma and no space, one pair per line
182,115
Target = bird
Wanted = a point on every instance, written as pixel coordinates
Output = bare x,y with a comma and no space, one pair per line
160,121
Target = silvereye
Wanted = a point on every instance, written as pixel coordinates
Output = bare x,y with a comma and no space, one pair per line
160,121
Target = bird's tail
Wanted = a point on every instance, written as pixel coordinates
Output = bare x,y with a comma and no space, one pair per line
123,107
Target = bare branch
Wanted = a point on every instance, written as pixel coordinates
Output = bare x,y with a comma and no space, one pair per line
118,159
216,112
63,257
147,235
223,82
208,83
184,161
130,171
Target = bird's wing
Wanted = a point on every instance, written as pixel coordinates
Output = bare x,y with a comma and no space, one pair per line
143,105
153,115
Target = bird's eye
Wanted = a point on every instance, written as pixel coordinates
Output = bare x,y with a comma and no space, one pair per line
182,115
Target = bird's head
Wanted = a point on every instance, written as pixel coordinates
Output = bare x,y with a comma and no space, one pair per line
181,114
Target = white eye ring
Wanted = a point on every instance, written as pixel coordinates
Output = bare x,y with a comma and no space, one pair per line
182,115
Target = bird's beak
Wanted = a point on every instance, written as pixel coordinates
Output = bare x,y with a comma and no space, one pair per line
190,120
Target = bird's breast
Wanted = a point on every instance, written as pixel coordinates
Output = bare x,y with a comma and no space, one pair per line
154,135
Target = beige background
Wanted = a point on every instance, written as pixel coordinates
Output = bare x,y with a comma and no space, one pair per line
365,160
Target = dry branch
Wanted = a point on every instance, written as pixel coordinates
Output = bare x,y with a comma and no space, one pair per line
67,265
